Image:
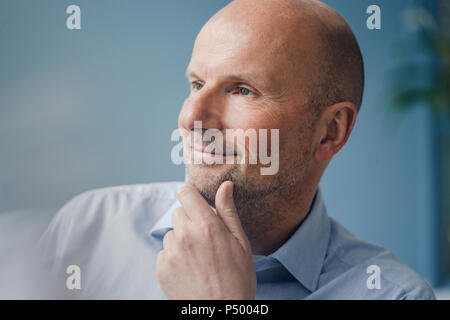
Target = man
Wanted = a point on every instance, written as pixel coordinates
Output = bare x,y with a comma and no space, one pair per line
231,232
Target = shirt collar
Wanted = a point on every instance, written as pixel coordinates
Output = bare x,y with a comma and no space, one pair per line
302,254
164,224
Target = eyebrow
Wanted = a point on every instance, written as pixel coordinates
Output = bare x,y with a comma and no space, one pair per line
244,77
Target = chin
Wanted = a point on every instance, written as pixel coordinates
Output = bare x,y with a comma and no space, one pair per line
208,178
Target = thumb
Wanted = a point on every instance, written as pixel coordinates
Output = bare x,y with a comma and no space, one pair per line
227,211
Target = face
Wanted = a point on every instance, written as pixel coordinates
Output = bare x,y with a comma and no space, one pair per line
241,78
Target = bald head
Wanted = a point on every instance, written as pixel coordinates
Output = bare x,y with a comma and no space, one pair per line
312,45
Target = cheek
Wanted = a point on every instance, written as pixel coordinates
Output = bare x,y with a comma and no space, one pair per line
259,120
253,119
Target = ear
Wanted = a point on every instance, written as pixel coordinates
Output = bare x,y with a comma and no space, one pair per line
335,125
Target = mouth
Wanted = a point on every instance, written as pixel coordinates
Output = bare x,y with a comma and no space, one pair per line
212,157
203,150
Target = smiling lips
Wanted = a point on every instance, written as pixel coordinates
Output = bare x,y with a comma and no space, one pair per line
202,150
211,157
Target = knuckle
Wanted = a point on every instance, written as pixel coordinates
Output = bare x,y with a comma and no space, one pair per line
176,215
160,264
183,191
161,274
177,211
159,257
167,239
208,227
184,240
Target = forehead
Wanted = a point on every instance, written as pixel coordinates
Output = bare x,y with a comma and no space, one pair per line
227,49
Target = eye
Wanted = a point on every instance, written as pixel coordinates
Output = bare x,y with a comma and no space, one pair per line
196,85
244,91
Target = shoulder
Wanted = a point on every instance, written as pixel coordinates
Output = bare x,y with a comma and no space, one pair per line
362,262
85,218
149,192
104,202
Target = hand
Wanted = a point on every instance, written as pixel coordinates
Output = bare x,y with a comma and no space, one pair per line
207,255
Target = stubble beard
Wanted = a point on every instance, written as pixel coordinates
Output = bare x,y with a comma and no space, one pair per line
256,197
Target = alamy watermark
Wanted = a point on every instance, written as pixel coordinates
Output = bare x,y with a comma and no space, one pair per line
73,21
73,281
374,280
213,147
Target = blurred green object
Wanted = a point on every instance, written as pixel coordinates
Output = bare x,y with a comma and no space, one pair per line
421,79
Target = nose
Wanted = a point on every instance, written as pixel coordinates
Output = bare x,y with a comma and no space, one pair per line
203,105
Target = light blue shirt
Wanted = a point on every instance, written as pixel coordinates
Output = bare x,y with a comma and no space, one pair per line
114,235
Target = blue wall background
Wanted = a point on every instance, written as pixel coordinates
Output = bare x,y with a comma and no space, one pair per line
95,107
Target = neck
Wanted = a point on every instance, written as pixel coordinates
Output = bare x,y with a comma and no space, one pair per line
269,222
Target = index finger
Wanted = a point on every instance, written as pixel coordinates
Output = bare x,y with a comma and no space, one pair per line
194,204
